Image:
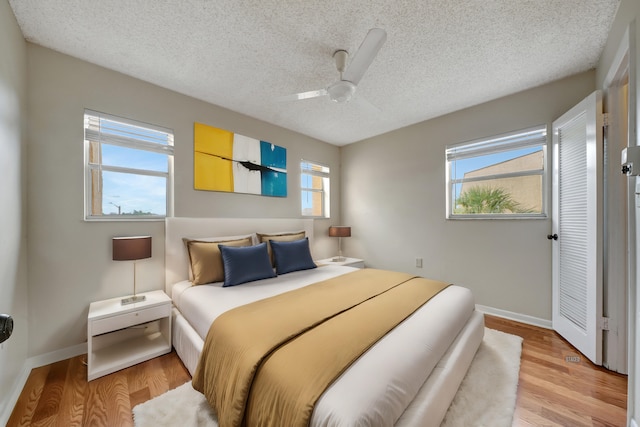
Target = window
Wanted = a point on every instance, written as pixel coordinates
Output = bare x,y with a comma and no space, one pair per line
128,168
314,184
499,177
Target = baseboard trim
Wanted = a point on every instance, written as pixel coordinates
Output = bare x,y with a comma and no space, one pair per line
32,363
522,318
56,356
13,396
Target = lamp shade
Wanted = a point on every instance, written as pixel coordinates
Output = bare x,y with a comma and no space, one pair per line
131,248
340,231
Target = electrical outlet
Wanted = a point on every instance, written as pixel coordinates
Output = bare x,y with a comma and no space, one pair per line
419,262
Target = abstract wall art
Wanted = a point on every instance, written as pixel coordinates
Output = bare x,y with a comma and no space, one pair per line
226,161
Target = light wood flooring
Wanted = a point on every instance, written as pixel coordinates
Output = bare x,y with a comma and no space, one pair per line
552,390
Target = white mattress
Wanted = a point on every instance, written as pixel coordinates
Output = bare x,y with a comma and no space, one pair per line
376,390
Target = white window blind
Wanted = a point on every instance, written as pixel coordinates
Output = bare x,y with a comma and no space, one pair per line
514,141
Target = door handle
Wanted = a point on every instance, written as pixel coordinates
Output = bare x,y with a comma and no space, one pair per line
552,236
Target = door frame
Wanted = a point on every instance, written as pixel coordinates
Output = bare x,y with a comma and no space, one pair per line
618,196
628,48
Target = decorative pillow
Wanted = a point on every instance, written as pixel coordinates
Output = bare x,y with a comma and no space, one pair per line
292,256
279,237
205,259
245,264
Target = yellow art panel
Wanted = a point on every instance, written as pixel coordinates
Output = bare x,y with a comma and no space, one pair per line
213,151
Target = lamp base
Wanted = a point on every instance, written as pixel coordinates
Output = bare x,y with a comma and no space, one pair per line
132,300
338,259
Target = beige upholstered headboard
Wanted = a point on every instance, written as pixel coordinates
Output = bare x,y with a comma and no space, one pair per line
176,260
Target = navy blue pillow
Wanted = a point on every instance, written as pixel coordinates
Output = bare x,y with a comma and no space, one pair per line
245,264
292,256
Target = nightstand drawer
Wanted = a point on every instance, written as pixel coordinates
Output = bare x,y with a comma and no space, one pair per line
125,320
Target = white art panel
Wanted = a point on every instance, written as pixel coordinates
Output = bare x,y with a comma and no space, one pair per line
246,149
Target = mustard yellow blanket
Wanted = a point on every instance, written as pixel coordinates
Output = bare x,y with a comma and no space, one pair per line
267,363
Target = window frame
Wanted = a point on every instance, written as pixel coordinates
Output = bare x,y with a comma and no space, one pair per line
129,143
536,136
326,189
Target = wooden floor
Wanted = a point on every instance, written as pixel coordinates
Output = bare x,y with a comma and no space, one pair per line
554,389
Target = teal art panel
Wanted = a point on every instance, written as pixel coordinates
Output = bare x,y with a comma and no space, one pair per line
274,177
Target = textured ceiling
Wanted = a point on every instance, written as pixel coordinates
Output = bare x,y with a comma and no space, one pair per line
440,55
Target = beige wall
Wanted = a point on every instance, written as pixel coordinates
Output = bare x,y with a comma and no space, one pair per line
393,197
13,275
69,259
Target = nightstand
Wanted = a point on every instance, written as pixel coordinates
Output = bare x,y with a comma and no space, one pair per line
349,262
119,336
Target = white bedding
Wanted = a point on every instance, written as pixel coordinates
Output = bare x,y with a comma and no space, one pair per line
202,304
376,390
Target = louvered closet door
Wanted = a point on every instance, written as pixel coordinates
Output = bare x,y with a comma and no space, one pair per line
577,222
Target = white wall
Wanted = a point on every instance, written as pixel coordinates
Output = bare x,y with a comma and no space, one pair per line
626,25
393,196
70,260
13,275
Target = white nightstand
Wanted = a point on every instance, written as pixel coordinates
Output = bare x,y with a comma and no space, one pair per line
119,336
350,262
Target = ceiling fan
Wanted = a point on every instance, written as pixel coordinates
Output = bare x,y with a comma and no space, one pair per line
343,89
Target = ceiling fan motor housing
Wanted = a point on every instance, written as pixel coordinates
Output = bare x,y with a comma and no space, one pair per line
341,91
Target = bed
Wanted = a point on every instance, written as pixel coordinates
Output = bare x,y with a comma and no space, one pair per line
407,378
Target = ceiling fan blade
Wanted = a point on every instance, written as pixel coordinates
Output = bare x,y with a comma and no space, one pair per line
364,56
303,95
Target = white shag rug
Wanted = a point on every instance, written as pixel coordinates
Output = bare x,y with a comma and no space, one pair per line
487,395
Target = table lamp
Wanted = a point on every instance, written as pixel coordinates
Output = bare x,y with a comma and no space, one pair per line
339,231
132,249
